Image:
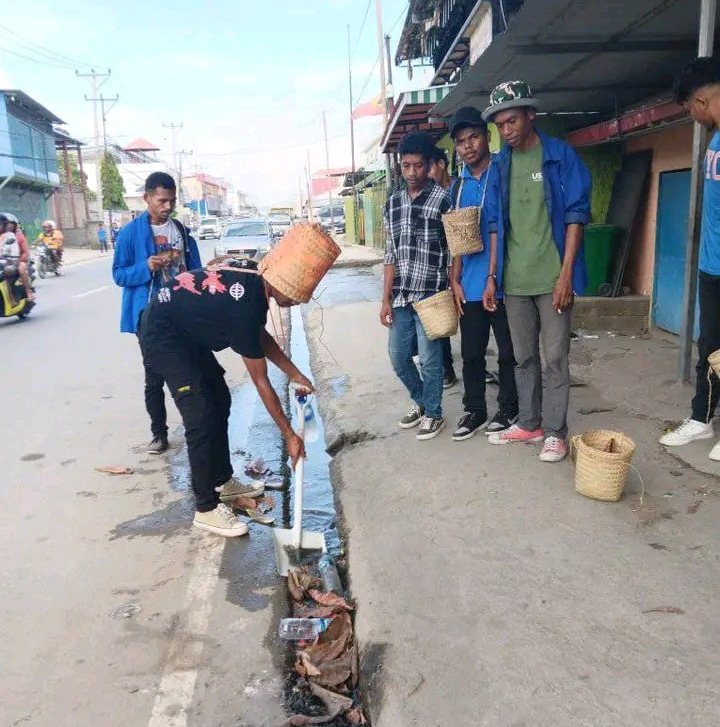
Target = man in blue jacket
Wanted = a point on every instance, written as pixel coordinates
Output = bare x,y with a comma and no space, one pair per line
540,211
149,251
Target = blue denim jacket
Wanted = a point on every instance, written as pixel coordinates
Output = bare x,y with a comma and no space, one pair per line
133,247
567,184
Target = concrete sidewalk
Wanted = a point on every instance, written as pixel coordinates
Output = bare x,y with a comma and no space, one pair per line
77,255
489,592
356,255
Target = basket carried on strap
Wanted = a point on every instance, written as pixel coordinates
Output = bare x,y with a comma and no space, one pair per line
462,226
602,459
438,315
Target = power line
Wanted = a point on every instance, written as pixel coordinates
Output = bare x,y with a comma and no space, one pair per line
49,51
362,27
40,61
367,80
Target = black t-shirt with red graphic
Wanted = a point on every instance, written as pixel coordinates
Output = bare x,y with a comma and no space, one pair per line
212,310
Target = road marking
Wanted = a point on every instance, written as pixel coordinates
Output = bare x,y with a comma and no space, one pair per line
177,686
91,292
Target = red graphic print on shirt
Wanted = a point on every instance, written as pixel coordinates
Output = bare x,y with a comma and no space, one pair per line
186,281
212,283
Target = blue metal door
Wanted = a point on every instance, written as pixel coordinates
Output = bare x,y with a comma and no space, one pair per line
670,248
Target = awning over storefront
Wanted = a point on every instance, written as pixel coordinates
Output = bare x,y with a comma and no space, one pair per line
411,114
581,56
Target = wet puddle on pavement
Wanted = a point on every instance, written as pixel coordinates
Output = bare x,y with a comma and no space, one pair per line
349,285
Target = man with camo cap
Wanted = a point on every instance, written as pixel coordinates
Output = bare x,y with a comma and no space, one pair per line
539,213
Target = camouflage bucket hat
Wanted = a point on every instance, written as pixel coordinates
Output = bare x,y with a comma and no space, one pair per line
509,95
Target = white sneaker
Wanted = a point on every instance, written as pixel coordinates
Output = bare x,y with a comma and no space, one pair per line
689,431
220,521
232,489
715,452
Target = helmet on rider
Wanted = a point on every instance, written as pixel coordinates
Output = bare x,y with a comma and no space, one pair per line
10,219
48,226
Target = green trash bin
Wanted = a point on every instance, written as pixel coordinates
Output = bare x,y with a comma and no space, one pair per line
599,247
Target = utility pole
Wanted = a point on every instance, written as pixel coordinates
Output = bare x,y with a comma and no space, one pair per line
706,37
309,185
94,76
352,143
173,130
181,154
383,85
102,100
327,171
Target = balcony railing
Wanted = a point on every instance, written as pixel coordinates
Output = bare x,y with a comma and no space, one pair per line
452,18
33,152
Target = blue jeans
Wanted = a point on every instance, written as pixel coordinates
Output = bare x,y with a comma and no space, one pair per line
426,391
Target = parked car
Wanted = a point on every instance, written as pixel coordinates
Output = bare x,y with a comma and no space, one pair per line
209,227
246,238
280,222
337,218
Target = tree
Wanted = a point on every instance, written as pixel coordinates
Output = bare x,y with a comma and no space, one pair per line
78,178
113,189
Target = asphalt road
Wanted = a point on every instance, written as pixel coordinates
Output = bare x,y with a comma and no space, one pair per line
115,611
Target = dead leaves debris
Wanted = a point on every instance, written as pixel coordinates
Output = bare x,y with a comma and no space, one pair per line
329,664
115,470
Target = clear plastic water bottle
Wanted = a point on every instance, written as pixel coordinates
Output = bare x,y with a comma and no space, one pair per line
302,629
311,426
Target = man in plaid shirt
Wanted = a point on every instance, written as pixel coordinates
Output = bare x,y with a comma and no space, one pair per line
416,267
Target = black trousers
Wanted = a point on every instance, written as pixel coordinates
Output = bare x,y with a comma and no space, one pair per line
475,325
197,383
155,402
704,403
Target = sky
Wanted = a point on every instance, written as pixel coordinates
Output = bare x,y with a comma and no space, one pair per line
248,81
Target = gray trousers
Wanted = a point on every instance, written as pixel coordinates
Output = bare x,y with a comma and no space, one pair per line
532,317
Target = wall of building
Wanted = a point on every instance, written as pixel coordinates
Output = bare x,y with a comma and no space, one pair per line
29,205
672,150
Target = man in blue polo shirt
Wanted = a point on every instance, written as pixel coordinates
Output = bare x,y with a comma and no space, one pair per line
697,88
469,280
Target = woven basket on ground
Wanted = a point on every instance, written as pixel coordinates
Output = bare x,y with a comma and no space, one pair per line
462,230
299,261
438,315
602,459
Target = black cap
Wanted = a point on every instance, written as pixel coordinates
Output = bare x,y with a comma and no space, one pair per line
466,116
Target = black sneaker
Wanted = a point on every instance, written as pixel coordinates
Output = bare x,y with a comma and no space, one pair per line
449,380
430,427
412,418
491,378
159,445
500,422
469,425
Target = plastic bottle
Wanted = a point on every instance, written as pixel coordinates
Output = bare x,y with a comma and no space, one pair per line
302,629
311,427
329,575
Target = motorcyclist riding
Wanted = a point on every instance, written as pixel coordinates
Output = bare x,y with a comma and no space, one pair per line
53,238
12,226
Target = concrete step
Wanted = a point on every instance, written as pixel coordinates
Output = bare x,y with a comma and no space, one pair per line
628,315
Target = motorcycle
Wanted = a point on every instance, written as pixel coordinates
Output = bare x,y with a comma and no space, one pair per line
13,297
47,261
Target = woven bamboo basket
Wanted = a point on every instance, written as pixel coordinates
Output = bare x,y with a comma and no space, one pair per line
462,230
299,261
602,459
714,361
438,315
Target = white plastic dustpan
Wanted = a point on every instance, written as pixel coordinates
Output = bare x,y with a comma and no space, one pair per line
290,543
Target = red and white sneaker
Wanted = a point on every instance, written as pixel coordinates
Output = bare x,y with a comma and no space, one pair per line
516,434
554,450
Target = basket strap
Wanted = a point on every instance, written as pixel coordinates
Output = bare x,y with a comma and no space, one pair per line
487,179
459,191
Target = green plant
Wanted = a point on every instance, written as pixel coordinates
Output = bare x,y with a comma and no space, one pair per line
78,178
113,189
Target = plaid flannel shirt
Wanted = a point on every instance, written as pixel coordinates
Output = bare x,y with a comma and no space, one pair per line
416,243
